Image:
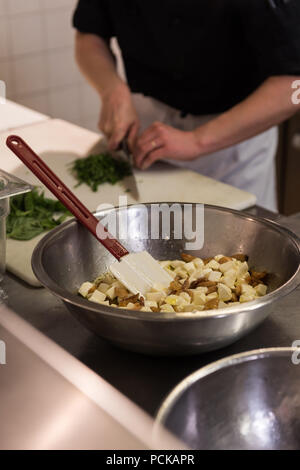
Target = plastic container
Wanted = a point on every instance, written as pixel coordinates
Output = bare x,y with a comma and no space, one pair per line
9,186
4,208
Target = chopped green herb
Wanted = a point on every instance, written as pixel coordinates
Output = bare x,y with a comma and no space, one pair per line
32,214
98,169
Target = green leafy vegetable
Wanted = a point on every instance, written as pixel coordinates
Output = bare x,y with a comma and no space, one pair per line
32,214
98,169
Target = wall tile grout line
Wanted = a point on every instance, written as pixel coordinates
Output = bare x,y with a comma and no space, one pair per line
38,63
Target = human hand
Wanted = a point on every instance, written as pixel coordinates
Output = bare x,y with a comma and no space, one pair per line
118,116
161,141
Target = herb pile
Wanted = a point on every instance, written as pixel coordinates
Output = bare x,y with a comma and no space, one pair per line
32,214
98,169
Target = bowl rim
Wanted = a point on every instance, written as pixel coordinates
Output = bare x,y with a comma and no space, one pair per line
75,300
229,361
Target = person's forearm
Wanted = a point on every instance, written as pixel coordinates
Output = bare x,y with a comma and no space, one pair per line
118,117
96,62
268,106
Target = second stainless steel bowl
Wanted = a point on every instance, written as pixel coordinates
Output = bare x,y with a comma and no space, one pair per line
69,255
246,401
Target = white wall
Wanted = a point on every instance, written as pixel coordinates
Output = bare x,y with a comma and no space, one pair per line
37,60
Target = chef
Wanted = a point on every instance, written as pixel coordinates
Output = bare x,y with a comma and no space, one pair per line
207,82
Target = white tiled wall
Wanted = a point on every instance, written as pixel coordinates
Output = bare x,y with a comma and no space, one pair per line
37,60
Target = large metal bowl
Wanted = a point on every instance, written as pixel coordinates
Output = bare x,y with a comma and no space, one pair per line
69,255
247,401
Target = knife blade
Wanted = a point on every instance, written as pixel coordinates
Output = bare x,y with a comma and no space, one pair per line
131,183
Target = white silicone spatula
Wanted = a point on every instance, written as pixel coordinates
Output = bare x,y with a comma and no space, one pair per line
139,272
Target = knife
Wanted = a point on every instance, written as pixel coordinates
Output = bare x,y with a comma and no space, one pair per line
124,151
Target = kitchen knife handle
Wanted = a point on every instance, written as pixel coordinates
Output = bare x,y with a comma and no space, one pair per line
64,195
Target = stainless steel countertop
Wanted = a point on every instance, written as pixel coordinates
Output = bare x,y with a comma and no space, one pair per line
146,380
50,400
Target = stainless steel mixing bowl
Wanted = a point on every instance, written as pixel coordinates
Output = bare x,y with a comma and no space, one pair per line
69,255
247,401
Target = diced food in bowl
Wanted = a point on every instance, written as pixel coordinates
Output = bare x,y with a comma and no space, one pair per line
198,284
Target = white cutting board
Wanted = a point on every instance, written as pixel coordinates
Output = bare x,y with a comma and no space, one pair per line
59,143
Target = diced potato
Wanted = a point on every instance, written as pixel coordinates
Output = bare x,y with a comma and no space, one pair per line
181,307
229,278
211,296
170,272
206,272
181,272
240,281
167,308
246,298
150,303
84,289
248,290
177,264
130,306
196,275
189,267
145,309
103,287
226,266
198,262
261,289
111,293
224,292
218,257
172,299
214,276
156,296
199,298
213,264
222,304
117,284
193,308
97,297
203,290
185,297
164,264
242,269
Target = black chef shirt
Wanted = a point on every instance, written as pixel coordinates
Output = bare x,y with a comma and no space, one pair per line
199,56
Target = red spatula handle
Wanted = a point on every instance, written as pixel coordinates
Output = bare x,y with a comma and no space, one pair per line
67,198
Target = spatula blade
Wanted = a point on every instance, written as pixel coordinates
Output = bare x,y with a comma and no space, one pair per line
140,272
